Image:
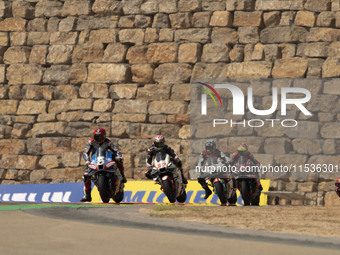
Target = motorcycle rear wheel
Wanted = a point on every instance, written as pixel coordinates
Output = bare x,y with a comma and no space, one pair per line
103,188
245,192
169,192
220,192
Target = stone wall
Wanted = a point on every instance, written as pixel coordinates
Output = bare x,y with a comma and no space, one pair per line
69,66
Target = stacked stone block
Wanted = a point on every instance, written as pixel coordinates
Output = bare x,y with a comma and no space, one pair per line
69,66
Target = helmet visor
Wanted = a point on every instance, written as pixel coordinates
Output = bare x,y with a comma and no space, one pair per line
242,152
209,147
158,144
99,138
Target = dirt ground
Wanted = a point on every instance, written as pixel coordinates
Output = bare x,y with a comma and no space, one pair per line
309,220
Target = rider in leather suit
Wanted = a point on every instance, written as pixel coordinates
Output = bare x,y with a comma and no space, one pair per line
99,140
157,145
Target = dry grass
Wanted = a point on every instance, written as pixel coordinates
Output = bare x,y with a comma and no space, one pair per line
309,220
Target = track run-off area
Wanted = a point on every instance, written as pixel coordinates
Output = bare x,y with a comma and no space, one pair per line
84,228
148,226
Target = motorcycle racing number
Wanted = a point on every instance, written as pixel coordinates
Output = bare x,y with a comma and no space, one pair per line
161,164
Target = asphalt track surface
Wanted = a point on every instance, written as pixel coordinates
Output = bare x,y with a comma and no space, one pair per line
122,229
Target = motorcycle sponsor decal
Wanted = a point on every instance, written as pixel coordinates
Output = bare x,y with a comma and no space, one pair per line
93,167
110,164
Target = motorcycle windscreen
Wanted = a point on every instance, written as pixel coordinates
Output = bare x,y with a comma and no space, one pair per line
161,160
102,154
160,156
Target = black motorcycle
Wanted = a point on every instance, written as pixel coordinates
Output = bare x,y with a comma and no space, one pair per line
216,174
246,178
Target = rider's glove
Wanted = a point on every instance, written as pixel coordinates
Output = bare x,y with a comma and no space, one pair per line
178,162
148,172
87,163
119,160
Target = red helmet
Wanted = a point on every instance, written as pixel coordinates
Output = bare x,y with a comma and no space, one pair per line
158,141
337,182
99,135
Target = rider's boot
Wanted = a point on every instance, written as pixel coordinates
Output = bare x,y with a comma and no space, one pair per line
124,178
185,181
208,192
121,170
87,189
260,187
87,197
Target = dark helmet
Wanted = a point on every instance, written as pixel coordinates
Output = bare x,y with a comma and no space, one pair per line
337,182
158,141
242,149
99,135
210,146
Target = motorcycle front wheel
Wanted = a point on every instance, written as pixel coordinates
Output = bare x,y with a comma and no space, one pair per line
256,200
219,189
169,192
245,192
103,188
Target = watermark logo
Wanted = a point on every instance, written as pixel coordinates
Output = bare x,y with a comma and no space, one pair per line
295,96
204,97
239,100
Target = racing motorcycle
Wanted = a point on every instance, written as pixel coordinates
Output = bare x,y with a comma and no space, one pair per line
225,190
246,178
106,176
165,173
223,182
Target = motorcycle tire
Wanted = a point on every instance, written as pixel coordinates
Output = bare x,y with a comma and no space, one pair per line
233,199
169,192
219,189
181,198
256,200
103,188
119,197
245,192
